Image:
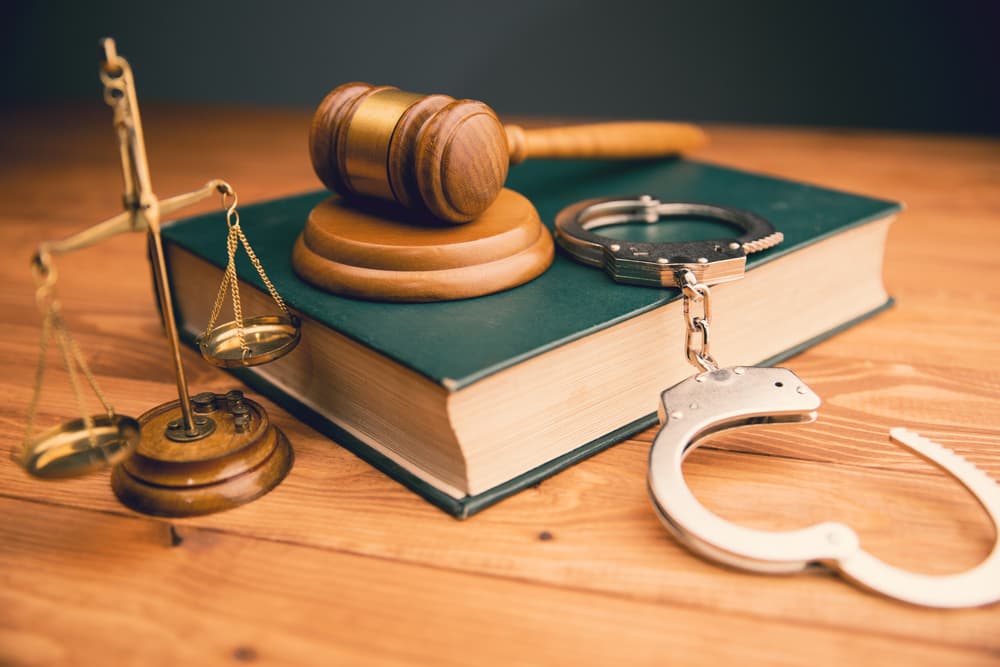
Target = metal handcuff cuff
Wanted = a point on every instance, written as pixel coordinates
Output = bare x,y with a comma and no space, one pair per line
717,399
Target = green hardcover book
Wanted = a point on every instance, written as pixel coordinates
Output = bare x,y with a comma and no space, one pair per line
467,402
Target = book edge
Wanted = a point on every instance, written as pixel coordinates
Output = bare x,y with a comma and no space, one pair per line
340,436
476,503
462,508
668,295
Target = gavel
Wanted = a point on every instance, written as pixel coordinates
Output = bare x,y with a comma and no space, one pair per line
449,157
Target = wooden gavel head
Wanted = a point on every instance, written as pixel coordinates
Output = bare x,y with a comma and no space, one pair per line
428,152
450,157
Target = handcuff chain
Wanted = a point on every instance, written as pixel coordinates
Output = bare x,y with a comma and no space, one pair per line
698,340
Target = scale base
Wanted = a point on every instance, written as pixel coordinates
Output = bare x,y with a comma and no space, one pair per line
243,457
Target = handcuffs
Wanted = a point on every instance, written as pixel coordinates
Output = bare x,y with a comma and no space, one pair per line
718,399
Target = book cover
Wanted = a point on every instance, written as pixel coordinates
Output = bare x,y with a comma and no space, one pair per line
455,344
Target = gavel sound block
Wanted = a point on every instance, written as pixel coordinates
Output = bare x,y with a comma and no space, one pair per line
376,251
450,157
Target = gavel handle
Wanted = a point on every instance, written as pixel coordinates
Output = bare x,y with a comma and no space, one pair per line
604,140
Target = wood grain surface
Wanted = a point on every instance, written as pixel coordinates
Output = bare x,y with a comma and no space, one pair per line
340,565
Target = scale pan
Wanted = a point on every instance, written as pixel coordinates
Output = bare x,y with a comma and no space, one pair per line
68,450
268,337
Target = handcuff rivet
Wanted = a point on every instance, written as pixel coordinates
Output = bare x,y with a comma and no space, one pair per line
703,260
615,247
734,246
664,260
676,414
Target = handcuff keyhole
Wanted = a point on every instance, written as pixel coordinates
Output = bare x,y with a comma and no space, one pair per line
779,384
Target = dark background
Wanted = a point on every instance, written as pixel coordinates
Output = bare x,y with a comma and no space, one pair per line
909,65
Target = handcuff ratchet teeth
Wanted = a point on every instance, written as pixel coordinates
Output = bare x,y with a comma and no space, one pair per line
657,264
736,397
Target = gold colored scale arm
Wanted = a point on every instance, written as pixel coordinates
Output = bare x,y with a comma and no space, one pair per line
216,468
128,221
142,209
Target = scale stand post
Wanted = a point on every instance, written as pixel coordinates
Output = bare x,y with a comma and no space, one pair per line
193,455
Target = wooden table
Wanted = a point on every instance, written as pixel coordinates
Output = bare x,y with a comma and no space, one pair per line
342,565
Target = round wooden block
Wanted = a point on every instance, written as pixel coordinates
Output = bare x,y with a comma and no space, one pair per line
388,254
227,467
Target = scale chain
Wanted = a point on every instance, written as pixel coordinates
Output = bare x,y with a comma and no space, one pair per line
260,270
81,361
230,280
53,324
43,346
231,245
74,380
219,298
